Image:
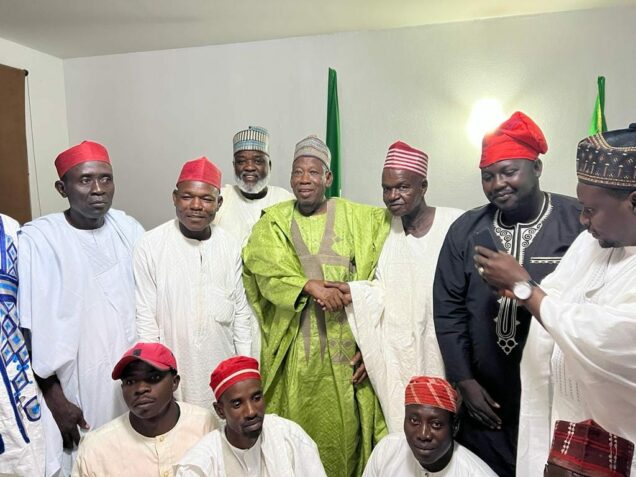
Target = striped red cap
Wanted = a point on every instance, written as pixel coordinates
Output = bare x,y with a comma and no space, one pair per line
404,157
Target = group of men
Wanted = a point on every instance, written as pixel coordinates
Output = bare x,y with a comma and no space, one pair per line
431,304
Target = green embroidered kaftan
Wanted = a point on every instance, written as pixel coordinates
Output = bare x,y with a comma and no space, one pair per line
306,352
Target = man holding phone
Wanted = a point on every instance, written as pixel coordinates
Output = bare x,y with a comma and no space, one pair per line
481,335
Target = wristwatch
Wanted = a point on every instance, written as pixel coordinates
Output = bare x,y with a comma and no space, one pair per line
523,290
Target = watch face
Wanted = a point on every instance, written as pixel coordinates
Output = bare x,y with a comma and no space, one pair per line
522,290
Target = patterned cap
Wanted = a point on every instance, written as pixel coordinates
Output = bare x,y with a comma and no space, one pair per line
587,448
313,146
608,159
86,151
254,138
436,392
518,137
155,354
404,157
232,371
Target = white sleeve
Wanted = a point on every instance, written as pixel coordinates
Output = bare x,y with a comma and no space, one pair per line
146,293
243,316
599,338
374,467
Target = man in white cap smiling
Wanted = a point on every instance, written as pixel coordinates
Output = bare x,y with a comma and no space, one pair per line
244,201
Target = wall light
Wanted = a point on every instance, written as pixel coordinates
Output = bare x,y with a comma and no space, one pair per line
486,115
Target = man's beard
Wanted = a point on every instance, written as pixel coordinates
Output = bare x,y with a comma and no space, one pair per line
252,187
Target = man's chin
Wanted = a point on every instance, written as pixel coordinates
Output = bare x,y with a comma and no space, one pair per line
252,187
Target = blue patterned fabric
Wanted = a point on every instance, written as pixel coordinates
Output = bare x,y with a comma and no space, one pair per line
17,378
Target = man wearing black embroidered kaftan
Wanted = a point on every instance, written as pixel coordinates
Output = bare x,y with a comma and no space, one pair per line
481,335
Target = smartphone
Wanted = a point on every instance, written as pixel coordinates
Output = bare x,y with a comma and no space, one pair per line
484,238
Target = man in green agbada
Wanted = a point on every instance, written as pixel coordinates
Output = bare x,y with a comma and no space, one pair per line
312,370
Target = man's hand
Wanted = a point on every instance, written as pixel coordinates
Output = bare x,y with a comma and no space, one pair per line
344,289
479,403
499,269
331,299
66,414
360,370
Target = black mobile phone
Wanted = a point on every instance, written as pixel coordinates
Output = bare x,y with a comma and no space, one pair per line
484,238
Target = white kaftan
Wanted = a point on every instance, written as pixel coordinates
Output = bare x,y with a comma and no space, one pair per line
77,296
582,365
116,449
392,316
238,214
285,451
393,457
190,297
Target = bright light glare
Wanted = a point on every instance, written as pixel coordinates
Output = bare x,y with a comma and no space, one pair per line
486,115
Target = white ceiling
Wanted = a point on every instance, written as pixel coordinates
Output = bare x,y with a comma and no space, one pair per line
73,28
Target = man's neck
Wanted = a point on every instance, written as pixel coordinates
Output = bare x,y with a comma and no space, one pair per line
255,196
313,209
240,442
83,223
196,235
419,222
526,213
442,462
157,425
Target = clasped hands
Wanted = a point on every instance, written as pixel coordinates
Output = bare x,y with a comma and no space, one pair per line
331,296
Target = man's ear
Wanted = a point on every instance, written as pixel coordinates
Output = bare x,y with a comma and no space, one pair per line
328,179
455,425
174,197
632,200
424,186
60,188
175,382
219,409
537,167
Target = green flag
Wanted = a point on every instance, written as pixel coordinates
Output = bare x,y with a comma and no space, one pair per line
598,124
333,133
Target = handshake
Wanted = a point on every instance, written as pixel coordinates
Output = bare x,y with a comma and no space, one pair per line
331,296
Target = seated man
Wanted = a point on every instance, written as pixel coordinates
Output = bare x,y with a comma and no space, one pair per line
426,447
251,443
585,449
157,432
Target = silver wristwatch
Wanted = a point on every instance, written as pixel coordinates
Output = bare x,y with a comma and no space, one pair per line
523,290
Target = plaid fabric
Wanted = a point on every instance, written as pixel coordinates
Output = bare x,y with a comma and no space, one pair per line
587,448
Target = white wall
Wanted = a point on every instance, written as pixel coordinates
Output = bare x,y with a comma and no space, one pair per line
49,125
156,110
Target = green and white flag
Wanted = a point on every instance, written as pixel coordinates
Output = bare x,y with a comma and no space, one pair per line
333,133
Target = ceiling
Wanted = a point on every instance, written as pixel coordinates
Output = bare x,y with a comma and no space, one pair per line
74,28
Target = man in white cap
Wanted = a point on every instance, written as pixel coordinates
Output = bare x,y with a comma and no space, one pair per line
244,201
392,316
312,373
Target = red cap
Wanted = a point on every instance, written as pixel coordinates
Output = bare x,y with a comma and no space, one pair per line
201,170
516,138
232,371
155,354
588,449
86,151
436,392
404,157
